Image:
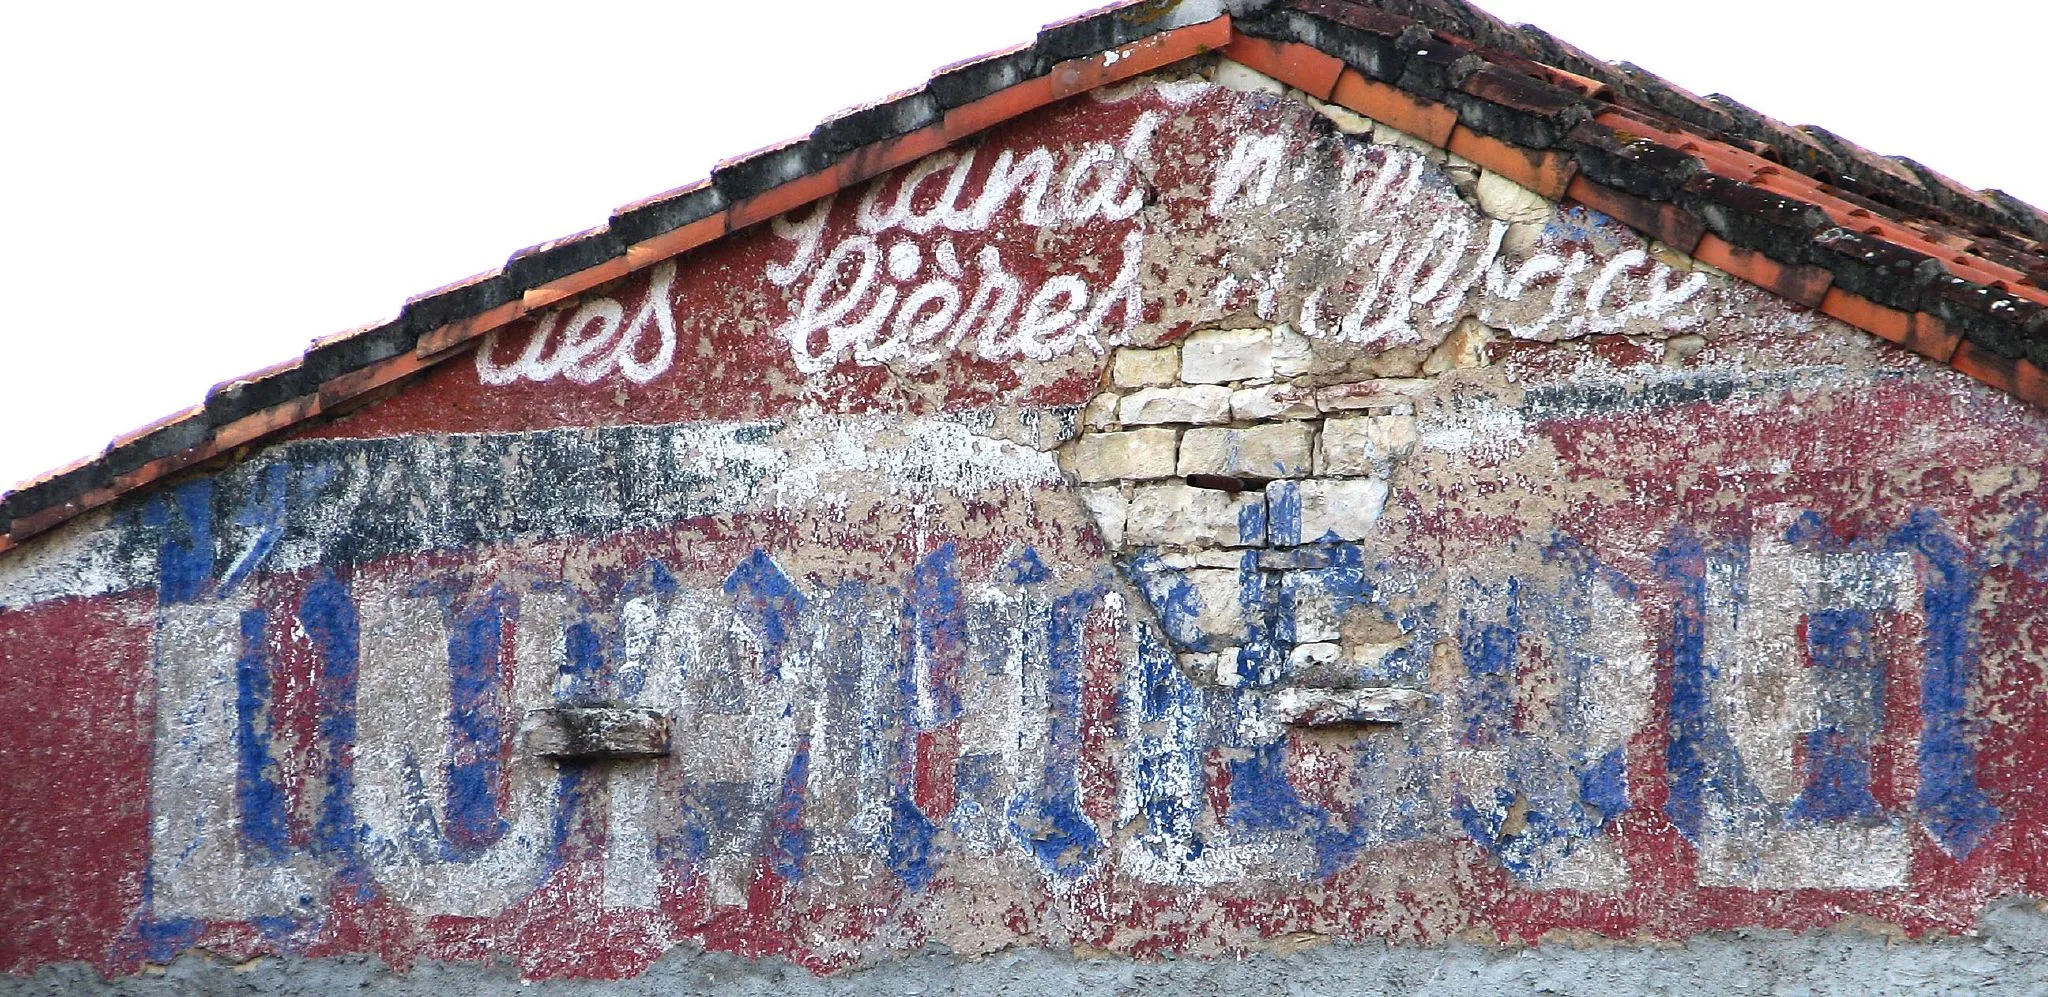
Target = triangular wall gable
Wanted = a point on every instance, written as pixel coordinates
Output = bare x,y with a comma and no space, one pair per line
1190,519
1274,504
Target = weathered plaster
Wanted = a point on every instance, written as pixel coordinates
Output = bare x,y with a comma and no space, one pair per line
2009,957
1186,540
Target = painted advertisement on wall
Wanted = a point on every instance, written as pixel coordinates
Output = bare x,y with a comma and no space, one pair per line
1184,522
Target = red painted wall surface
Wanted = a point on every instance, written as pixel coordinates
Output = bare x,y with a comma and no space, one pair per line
1709,613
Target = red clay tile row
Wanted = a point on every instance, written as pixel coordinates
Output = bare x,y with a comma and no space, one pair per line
1554,174
1740,164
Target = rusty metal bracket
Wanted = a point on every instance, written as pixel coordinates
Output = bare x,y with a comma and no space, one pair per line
597,733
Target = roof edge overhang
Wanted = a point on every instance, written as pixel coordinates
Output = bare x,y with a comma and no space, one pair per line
1884,245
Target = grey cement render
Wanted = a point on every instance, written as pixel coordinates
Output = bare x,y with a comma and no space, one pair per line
2008,956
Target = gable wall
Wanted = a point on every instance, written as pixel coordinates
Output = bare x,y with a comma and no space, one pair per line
1274,534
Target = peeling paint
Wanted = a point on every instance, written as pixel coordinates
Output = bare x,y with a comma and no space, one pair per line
1558,641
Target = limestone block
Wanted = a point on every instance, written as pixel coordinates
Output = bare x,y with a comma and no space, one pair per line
1317,511
1039,429
1388,394
1219,356
1362,445
1202,404
1385,134
1274,450
1670,257
1522,240
1101,412
1222,664
1273,401
1312,612
1179,515
1465,347
1511,202
1217,603
1464,175
1138,455
1346,707
1243,78
1050,429
1334,665
1108,507
1319,655
1232,559
1292,354
1348,121
1145,368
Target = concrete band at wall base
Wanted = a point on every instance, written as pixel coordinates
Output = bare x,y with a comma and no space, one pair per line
2009,957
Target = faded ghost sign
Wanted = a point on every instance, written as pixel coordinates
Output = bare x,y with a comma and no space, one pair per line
1170,525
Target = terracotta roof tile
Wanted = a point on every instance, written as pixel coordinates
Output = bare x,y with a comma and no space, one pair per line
1653,92
1865,165
1365,38
2013,376
1097,31
1507,105
441,339
247,429
1547,173
238,397
339,390
1609,153
1460,19
970,118
1667,223
666,212
168,435
880,157
366,345
1309,69
1584,86
1992,318
51,489
1877,269
1431,64
1868,315
789,195
1753,217
969,80
468,296
550,261
2031,220
743,177
1084,73
1804,284
897,114
1789,145
1956,199
2022,256
1426,120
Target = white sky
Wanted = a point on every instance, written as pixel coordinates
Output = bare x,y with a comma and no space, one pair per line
193,190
